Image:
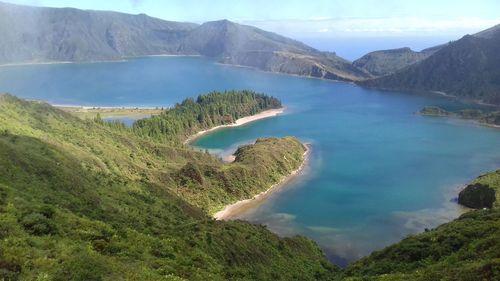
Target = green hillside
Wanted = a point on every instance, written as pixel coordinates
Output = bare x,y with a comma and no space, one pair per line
207,111
466,69
84,200
88,200
467,248
384,62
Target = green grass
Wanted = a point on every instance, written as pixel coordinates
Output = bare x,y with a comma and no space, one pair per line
467,248
191,116
492,180
87,200
83,200
256,168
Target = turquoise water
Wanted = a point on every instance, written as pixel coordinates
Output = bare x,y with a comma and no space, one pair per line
377,171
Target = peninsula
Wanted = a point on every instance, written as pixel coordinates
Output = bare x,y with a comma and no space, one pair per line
115,201
141,195
235,209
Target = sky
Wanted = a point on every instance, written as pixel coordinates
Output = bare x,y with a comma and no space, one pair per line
324,24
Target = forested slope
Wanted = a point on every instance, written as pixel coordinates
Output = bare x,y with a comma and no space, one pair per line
84,200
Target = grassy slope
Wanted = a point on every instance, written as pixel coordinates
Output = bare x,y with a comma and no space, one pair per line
256,168
467,248
384,62
80,200
467,69
105,112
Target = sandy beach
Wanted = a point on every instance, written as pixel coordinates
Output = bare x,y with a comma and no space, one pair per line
123,59
239,122
60,62
231,211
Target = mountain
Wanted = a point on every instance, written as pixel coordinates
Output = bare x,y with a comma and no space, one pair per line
237,44
36,34
488,33
468,68
33,34
384,62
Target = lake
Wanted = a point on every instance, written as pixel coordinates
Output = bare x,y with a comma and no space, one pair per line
377,170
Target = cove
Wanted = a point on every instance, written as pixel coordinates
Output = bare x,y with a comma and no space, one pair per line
377,171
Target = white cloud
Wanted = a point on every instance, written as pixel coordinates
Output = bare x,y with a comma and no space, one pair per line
376,26
136,3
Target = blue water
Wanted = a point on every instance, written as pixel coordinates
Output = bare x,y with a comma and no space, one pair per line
353,48
128,121
377,171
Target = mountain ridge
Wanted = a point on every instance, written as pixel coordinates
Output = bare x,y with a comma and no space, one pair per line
40,34
384,62
467,69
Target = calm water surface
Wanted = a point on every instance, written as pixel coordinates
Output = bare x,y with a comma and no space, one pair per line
377,171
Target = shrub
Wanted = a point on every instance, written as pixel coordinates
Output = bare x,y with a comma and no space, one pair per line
38,224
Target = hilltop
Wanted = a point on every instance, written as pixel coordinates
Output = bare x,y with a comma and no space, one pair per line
466,69
384,62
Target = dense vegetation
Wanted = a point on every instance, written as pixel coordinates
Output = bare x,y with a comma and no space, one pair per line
205,112
84,200
467,248
254,170
488,118
88,200
467,68
384,62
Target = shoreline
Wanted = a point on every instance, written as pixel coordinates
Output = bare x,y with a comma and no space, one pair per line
60,62
110,112
240,122
239,207
453,115
98,107
285,73
122,59
352,82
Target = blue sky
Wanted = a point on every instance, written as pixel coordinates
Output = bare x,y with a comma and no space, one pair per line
316,21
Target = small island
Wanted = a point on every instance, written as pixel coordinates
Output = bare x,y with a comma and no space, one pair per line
491,118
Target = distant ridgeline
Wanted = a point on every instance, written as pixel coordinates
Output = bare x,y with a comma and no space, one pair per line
39,34
467,69
207,111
